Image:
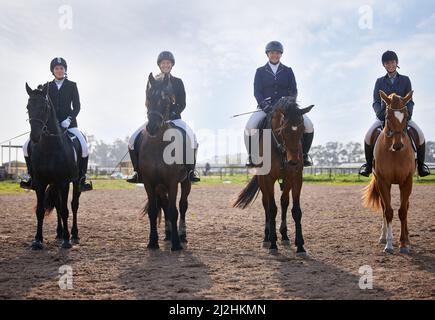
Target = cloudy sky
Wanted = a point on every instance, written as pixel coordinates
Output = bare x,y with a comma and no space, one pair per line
334,48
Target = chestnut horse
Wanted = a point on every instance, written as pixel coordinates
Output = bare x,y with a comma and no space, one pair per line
287,127
160,177
394,164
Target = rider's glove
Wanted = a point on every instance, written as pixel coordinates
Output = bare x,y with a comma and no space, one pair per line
266,105
66,123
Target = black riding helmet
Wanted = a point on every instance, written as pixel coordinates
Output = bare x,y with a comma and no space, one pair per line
166,55
274,46
58,61
389,56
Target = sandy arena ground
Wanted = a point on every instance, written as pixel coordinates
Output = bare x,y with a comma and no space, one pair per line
224,258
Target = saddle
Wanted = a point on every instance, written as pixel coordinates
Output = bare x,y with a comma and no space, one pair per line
411,132
75,144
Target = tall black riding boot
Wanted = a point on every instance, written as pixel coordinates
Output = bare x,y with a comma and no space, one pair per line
423,169
83,169
249,163
191,169
366,169
27,184
307,141
134,157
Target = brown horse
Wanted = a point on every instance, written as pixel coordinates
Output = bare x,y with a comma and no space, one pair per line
160,176
287,127
394,164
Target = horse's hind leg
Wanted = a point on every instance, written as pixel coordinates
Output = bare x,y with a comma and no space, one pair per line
405,193
40,212
285,199
75,207
186,186
64,189
59,229
270,210
173,216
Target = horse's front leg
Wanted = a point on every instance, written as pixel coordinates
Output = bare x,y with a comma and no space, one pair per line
297,217
405,193
186,186
173,216
40,212
75,207
385,194
285,199
152,215
64,190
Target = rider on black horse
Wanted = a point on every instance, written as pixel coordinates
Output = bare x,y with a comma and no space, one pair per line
64,97
272,82
392,82
166,61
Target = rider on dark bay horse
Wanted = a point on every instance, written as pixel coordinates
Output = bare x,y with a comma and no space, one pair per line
392,82
272,82
64,97
166,61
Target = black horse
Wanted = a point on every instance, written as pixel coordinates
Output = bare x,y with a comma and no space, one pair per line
54,166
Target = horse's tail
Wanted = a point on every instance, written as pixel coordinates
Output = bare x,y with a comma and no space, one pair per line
248,194
159,206
371,195
50,200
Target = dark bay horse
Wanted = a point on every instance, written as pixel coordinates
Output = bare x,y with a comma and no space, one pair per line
287,127
160,176
54,166
394,164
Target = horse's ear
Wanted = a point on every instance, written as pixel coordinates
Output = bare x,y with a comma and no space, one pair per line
408,97
385,97
28,89
151,79
307,109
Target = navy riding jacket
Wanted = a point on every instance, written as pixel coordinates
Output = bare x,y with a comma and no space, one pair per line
401,86
66,100
267,84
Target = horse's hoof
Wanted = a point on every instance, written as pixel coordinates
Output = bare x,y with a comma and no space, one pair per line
273,251
66,244
302,254
266,244
382,241
153,246
404,250
177,248
75,240
285,242
37,245
388,250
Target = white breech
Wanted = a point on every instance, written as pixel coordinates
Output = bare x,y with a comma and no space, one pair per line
76,132
255,119
177,122
378,123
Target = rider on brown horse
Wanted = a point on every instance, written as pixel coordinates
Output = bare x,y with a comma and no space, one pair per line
392,82
272,82
166,61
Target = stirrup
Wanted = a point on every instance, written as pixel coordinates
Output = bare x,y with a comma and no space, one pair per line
365,170
85,186
134,178
193,176
307,161
27,185
423,170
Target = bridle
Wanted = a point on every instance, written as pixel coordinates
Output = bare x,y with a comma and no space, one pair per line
281,144
48,104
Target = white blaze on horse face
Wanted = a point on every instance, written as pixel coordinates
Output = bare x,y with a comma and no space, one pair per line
399,115
294,128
